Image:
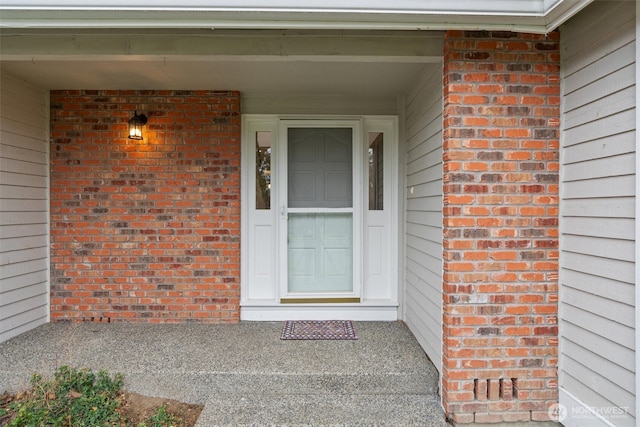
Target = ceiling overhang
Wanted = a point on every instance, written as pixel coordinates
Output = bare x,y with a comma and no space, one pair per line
323,64
535,16
334,52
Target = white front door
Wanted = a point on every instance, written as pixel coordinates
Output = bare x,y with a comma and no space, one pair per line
319,212
319,218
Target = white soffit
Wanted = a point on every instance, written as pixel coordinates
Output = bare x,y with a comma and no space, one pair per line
540,16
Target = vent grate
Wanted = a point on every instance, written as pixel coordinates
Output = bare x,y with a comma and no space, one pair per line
494,389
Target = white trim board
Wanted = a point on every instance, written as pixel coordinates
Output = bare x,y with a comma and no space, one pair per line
319,312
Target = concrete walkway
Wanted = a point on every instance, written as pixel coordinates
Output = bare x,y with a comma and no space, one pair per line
244,374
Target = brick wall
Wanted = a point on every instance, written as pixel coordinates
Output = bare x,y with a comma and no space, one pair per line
500,290
145,230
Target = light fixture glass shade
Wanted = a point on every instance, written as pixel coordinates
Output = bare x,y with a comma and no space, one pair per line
135,125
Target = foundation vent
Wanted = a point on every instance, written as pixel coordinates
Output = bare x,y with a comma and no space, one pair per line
494,389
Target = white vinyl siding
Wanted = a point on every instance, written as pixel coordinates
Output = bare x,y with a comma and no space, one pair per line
24,207
423,212
597,243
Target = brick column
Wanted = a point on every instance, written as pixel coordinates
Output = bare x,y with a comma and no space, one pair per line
500,289
145,230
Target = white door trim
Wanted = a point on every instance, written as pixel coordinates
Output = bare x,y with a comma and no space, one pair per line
263,231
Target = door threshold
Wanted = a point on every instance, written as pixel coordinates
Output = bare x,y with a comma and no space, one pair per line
320,300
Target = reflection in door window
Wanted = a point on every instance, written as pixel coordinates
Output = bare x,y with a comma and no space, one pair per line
263,170
376,166
320,167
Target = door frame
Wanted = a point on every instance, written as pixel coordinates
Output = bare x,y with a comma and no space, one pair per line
379,269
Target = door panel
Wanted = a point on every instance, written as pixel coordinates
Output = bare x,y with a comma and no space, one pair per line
320,252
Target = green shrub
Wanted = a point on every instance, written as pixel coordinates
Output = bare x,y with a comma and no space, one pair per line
73,398
162,418
76,398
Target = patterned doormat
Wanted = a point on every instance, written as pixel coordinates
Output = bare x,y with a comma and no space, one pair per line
319,330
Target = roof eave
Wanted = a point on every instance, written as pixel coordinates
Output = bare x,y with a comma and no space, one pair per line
344,19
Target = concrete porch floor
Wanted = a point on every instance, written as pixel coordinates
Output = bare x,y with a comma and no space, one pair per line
243,373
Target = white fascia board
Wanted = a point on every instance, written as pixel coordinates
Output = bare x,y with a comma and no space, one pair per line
539,16
518,7
557,12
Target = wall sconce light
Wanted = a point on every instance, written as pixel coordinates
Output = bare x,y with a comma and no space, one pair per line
135,125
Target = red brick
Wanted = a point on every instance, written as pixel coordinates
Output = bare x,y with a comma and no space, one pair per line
462,418
137,245
487,417
516,417
521,83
